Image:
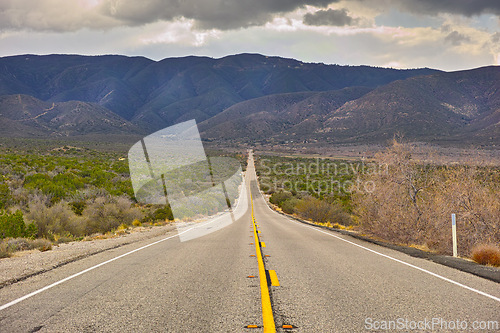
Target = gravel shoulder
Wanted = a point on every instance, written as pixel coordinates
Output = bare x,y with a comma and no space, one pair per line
29,263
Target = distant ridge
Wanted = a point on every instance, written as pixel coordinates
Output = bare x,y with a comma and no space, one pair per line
244,98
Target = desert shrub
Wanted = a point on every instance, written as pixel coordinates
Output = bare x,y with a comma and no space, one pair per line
5,196
19,244
78,206
288,206
42,244
55,219
163,213
265,185
122,227
486,254
136,223
4,249
107,213
60,239
278,197
321,211
13,225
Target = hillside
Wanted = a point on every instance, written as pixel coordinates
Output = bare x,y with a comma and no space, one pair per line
441,107
297,113
26,116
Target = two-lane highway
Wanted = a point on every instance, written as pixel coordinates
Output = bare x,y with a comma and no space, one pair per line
327,283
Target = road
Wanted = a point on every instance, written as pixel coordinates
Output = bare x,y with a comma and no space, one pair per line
327,283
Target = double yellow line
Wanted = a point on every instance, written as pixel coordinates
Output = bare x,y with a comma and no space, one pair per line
267,310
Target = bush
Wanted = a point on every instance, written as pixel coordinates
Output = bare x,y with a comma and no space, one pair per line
107,213
288,206
4,250
162,213
57,219
78,206
486,254
5,196
12,225
321,211
18,244
42,244
278,197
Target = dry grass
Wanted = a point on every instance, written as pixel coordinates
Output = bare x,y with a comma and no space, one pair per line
10,245
4,250
486,254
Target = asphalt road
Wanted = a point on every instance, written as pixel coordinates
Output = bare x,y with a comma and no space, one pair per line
327,283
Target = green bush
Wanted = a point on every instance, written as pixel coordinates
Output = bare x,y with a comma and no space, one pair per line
12,225
288,206
162,213
279,197
4,196
78,206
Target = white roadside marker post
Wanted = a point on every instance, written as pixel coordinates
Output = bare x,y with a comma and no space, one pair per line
454,234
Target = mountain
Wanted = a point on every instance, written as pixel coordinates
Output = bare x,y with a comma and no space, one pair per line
154,95
457,107
246,98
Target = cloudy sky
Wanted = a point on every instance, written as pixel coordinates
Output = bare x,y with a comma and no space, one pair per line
443,34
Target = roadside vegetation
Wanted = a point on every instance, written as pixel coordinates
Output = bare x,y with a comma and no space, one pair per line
50,196
393,197
413,203
62,195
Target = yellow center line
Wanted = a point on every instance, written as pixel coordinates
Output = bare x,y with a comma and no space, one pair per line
267,310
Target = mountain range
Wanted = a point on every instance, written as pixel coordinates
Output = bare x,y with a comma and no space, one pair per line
246,98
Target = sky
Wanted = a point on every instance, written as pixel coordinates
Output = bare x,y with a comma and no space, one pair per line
443,34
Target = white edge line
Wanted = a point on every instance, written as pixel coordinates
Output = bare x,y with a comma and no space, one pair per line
402,262
383,255
20,299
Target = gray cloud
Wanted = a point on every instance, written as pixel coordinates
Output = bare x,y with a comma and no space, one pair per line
220,14
462,7
64,15
455,38
337,17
